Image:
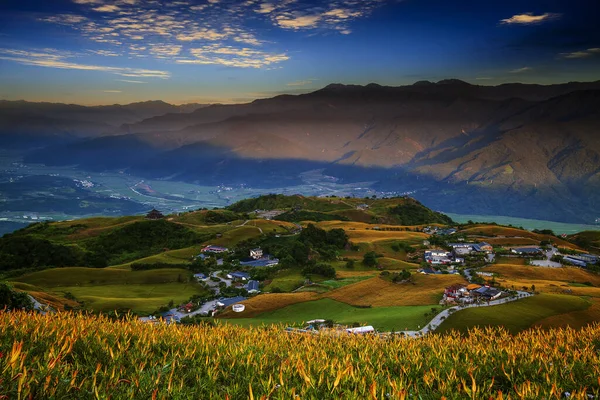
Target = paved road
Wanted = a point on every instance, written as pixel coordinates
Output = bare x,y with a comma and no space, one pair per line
548,261
246,221
39,307
210,305
438,319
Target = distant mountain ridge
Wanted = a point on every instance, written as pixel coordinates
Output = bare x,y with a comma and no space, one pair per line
516,149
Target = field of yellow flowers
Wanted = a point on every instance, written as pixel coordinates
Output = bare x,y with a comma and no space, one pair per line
71,356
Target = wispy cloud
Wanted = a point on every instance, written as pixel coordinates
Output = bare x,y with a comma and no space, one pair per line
333,15
112,91
51,58
213,32
301,83
129,81
232,57
595,51
529,18
521,70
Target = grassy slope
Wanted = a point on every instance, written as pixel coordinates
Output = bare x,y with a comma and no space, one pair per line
515,316
376,292
109,289
519,236
139,298
382,318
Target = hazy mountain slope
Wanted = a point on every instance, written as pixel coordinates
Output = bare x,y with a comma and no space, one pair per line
30,125
484,149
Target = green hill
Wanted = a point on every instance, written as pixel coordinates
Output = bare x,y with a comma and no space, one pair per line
76,244
398,210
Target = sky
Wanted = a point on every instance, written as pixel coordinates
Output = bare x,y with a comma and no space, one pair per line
229,51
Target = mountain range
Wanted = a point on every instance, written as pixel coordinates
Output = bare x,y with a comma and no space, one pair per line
515,149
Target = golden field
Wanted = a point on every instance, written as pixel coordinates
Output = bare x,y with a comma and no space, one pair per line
70,356
377,292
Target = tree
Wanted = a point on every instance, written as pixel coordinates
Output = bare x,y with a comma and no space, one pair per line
14,300
370,259
350,264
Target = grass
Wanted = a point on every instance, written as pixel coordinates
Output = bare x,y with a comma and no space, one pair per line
110,289
288,280
339,283
516,316
574,319
528,273
236,235
93,277
269,302
514,236
179,256
377,292
382,318
511,260
72,356
139,298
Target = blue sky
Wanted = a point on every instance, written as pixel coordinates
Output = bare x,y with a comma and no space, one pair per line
120,51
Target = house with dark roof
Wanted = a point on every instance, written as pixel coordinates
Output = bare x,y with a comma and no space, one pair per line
252,286
239,276
487,293
575,261
265,261
485,247
226,302
526,251
200,277
154,214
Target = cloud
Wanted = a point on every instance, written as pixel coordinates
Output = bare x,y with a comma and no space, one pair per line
165,50
230,56
529,18
301,83
104,53
332,15
165,30
298,22
129,81
521,70
51,58
112,91
266,8
583,53
109,8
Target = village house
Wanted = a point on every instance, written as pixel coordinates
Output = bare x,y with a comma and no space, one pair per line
261,262
154,214
200,277
486,293
252,287
214,249
238,276
526,251
438,257
226,302
441,257
575,261
456,290
256,253
470,248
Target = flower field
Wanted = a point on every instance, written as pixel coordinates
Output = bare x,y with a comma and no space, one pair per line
70,356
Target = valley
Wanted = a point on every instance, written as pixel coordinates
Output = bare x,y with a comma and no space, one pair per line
155,266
